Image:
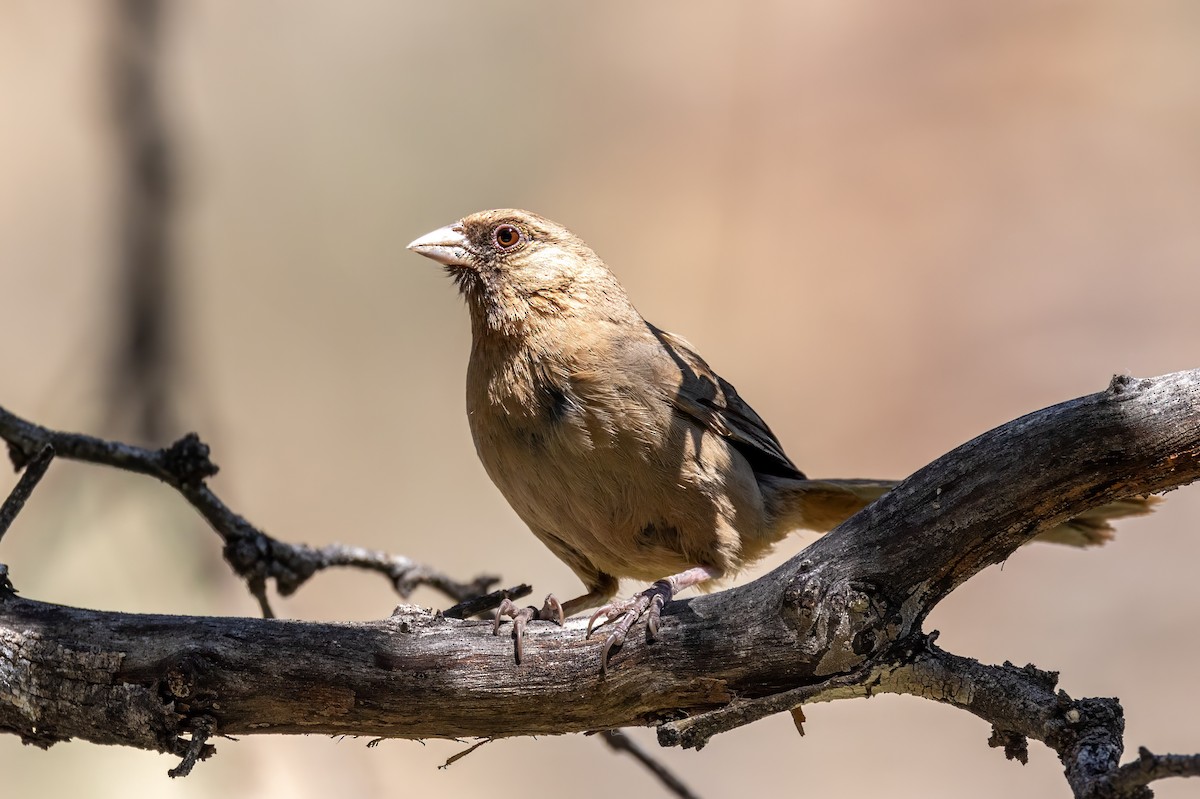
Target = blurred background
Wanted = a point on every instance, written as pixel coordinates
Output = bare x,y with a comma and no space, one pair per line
892,226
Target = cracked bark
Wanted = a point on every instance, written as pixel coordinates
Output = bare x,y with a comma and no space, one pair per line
842,619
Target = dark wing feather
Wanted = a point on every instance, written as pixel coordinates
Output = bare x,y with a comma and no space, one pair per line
714,404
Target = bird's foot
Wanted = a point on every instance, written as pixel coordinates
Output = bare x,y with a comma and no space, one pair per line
551,610
626,612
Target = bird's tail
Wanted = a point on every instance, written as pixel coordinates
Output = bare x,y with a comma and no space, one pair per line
821,505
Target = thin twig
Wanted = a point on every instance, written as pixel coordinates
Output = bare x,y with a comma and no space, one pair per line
405,575
254,555
16,499
1150,767
694,732
450,761
198,748
482,604
620,742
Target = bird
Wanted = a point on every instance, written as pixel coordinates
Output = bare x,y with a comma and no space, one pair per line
616,443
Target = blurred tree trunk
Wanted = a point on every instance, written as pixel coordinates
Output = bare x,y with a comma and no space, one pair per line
145,363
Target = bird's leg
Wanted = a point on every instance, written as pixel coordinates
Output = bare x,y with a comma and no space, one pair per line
602,586
626,612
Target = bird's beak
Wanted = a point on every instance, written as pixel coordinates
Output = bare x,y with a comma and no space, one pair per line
446,245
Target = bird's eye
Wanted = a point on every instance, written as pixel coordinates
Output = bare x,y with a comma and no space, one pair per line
506,236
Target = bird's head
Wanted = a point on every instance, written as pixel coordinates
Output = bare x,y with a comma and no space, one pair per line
517,269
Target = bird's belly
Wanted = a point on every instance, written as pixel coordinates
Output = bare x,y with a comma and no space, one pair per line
631,508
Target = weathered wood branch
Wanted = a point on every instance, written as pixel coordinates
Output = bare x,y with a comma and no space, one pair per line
841,619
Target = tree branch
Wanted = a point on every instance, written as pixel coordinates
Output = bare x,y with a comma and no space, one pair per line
842,619
251,553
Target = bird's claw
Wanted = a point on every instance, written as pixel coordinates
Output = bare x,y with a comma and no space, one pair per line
551,610
625,613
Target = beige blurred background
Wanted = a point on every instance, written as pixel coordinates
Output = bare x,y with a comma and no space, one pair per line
892,226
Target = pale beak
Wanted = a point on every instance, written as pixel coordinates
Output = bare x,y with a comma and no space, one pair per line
446,245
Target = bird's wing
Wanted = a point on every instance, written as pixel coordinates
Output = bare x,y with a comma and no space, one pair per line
710,401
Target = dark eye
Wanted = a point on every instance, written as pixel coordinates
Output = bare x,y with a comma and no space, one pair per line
506,236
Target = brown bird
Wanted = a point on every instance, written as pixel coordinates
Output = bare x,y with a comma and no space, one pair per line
623,451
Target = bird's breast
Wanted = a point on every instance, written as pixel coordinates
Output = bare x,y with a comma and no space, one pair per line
605,463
